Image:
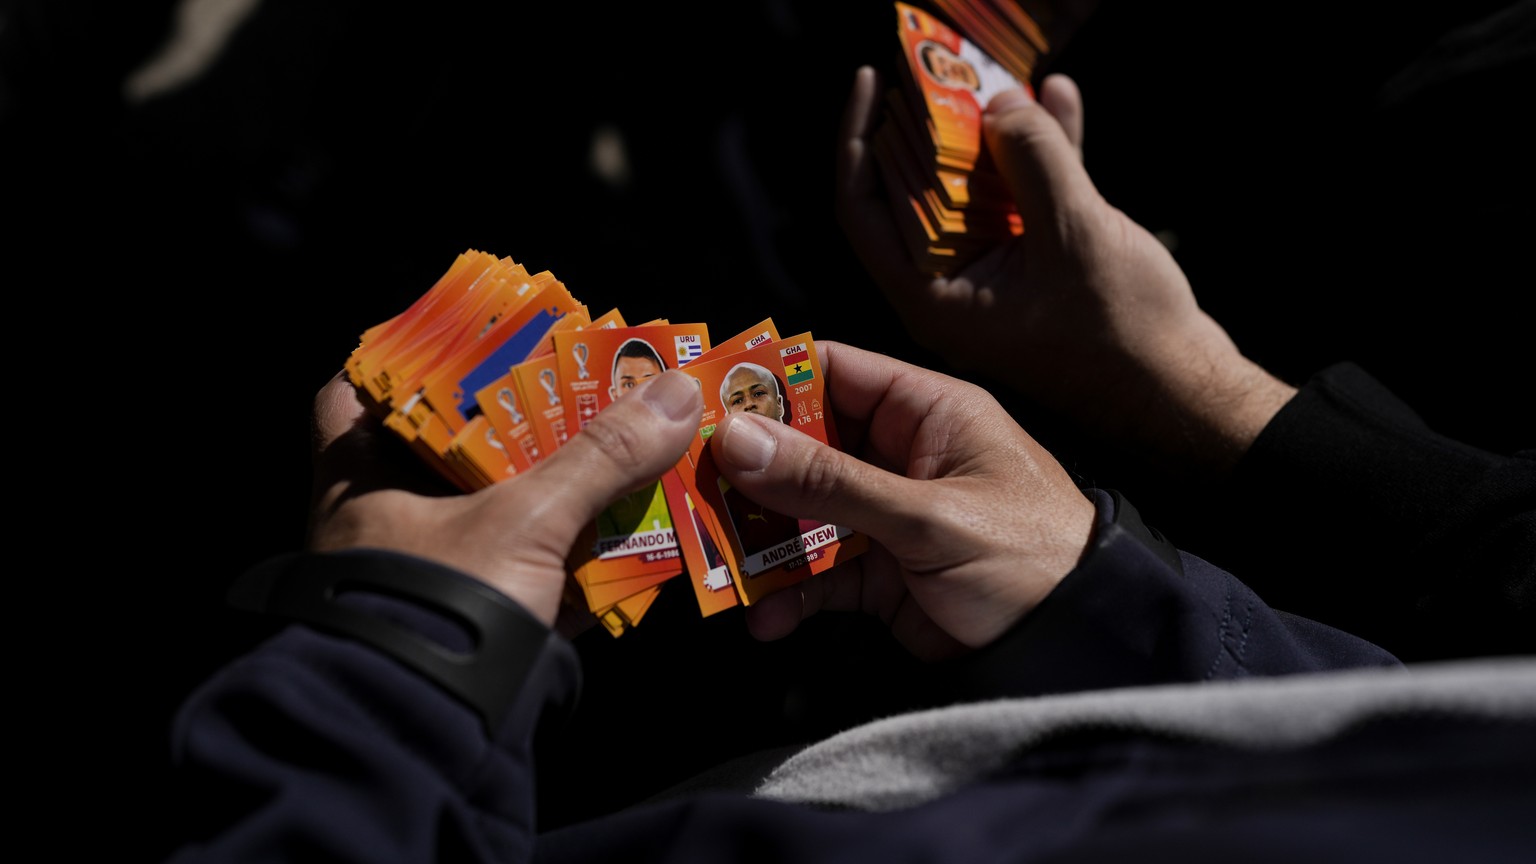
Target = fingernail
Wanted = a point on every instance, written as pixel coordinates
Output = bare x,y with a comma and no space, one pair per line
674,396
1008,100
747,445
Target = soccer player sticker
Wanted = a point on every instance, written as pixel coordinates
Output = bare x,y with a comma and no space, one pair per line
779,381
633,540
708,571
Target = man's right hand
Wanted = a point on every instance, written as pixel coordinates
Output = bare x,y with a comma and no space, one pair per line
973,522
1086,313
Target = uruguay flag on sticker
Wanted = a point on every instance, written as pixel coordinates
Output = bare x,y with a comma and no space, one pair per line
688,348
797,363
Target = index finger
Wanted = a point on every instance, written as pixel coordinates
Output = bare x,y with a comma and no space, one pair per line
350,448
863,209
1038,153
873,393
337,410
855,175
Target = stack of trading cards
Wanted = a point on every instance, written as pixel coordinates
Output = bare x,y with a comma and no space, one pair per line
950,203
494,368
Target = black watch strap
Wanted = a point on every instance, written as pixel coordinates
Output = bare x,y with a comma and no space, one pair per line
506,639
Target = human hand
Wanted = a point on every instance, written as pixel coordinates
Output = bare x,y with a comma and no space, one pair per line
1086,313
973,522
515,535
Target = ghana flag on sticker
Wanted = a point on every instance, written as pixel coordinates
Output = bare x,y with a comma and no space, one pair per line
797,363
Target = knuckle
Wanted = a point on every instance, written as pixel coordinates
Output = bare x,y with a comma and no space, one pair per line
823,474
622,445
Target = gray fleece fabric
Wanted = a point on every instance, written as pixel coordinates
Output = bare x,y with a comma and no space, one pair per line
912,758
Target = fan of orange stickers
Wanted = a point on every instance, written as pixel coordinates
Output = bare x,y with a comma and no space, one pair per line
494,368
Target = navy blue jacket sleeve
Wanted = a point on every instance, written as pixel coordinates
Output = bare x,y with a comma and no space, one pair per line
319,747
1349,509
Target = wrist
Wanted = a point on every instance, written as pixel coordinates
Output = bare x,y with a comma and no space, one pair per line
1213,417
1200,405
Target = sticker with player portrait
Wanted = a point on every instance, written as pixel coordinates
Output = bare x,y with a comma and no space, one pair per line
599,366
707,568
781,381
634,536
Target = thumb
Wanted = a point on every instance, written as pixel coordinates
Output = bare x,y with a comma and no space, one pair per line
628,445
790,472
1036,149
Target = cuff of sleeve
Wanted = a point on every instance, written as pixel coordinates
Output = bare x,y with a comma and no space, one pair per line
1349,509
1099,627
472,641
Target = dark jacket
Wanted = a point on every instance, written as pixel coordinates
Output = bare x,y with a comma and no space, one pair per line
320,746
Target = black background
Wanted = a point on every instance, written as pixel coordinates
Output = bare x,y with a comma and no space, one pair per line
184,274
